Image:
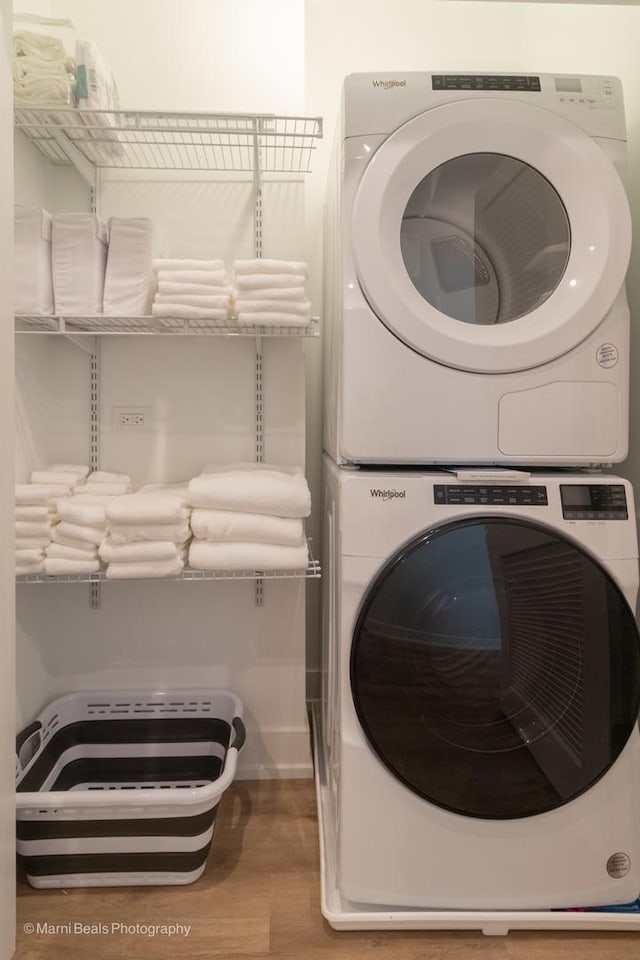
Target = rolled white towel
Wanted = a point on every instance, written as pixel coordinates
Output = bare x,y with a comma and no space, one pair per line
104,476
67,541
29,567
299,307
32,543
104,489
208,277
178,290
32,528
233,525
55,567
254,281
138,551
148,507
27,556
261,318
86,511
194,300
81,532
59,551
297,294
185,312
266,265
34,511
80,469
205,555
163,264
120,533
252,488
40,493
53,476
145,570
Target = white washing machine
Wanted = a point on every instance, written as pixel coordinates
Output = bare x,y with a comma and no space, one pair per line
477,239
481,691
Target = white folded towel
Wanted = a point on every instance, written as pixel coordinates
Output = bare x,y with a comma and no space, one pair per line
128,272
265,265
104,489
205,555
39,493
161,264
87,511
88,548
55,567
298,307
177,290
138,551
81,469
33,511
33,528
194,300
58,551
77,531
53,476
297,294
120,533
254,281
104,476
32,543
41,45
252,488
145,570
29,566
200,277
185,312
261,318
26,556
233,525
148,507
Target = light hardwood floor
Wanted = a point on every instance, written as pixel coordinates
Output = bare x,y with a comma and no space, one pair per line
260,898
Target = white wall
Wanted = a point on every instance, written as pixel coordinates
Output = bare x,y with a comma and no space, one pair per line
7,624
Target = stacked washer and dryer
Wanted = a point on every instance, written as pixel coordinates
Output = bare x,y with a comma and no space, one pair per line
478,749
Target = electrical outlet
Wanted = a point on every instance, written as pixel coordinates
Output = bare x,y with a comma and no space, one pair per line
131,418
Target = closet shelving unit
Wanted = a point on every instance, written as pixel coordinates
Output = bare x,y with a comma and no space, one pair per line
93,141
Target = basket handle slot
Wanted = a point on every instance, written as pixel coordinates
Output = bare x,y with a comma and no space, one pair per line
28,743
240,732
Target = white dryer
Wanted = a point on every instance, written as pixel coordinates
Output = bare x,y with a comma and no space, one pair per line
477,239
481,691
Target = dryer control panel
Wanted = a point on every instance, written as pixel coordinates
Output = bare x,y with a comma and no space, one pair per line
586,501
489,495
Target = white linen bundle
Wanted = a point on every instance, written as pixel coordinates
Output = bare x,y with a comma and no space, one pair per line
148,533
248,516
193,290
271,293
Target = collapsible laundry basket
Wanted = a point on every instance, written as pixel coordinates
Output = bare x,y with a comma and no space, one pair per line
121,787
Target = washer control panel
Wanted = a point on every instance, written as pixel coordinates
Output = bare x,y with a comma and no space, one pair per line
487,495
586,501
467,81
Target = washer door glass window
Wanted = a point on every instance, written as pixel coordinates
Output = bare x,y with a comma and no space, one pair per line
495,668
485,238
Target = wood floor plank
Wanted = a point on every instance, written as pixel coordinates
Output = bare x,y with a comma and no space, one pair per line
259,898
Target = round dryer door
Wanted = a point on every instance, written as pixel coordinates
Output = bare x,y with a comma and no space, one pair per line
495,668
491,236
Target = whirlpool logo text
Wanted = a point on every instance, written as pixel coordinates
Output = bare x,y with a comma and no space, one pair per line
387,494
389,84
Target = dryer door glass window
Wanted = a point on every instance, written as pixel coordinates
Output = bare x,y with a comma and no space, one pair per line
485,238
495,668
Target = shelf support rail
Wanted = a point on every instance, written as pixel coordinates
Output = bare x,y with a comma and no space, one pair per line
257,246
94,438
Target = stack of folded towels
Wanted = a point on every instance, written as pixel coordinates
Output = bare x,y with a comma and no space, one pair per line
271,293
248,516
148,533
43,73
194,290
83,524
37,512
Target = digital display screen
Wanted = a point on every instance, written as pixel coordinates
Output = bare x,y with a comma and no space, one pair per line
576,496
568,85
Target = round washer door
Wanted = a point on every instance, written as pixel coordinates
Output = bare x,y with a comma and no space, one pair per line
490,236
495,668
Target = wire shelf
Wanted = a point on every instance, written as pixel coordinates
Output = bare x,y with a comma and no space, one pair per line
144,140
312,572
156,326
